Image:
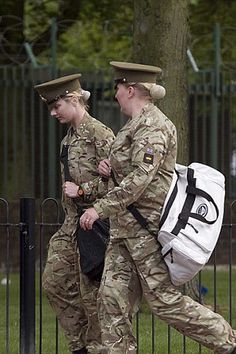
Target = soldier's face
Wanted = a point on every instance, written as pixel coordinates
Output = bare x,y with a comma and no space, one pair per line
122,96
63,111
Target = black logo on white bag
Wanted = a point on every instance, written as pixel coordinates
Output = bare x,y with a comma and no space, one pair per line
202,209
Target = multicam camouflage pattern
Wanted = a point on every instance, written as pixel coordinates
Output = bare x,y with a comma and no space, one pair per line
133,264
142,158
71,294
88,145
61,282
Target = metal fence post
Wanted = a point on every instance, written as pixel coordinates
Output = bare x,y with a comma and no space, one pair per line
52,122
215,99
27,276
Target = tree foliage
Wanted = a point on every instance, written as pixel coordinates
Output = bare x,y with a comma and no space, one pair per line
90,33
107,36
36,25
203,17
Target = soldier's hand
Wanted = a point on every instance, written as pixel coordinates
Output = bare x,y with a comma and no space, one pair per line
104,168
70,189
88,218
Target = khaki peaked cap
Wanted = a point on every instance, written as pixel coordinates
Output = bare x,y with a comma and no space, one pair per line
52,91
134,73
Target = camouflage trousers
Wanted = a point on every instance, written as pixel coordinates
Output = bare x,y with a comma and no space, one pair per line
71,294
134,268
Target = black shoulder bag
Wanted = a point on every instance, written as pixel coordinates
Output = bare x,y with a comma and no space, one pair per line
92,243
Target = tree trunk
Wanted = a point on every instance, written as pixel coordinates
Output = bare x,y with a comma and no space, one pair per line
160,38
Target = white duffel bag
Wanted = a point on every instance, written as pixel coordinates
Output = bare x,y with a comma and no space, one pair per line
191,219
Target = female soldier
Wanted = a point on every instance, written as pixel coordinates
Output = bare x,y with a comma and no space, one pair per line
142,159
72,295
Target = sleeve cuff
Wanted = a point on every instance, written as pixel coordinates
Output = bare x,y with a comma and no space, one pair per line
99,210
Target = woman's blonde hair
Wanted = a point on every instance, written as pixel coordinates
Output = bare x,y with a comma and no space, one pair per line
152,91
81,95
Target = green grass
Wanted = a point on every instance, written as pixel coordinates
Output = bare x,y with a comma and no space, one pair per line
146,322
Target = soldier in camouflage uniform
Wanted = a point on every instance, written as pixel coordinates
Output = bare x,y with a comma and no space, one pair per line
142,159
72,295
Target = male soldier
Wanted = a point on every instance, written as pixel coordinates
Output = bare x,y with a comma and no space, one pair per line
72,295
142,159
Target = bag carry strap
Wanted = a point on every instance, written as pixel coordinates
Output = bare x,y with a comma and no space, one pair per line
64,160
169,202
134,211
188,204
192,191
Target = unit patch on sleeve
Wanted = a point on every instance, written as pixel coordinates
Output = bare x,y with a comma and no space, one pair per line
148,156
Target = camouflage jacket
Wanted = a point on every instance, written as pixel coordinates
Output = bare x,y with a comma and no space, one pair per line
142,157
88,145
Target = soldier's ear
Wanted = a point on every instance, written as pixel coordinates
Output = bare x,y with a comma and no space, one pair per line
74,100
131,91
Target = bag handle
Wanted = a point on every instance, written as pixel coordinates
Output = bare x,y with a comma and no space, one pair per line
169,202
192,191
